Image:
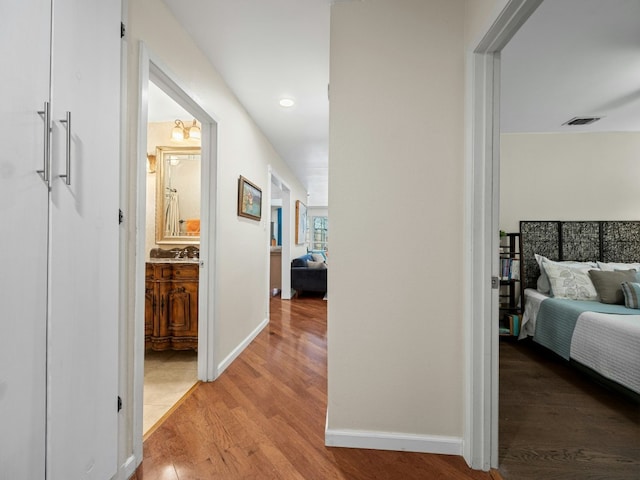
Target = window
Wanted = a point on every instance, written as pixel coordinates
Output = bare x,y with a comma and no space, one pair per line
319,233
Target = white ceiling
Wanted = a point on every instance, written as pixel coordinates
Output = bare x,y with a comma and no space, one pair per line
571,58
267,50
574,58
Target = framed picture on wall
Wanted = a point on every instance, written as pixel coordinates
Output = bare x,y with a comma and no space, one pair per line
301,222
249,199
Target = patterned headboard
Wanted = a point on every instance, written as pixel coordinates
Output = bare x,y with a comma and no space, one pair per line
582,241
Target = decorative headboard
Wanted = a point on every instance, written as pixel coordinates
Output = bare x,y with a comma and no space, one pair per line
582,241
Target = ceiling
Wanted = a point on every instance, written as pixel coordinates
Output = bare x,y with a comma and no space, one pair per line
571,58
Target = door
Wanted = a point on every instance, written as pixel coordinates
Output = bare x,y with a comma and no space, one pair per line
83,279
23,242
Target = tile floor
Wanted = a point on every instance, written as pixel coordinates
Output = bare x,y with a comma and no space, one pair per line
167,377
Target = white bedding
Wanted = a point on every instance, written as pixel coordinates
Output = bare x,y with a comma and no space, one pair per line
608,344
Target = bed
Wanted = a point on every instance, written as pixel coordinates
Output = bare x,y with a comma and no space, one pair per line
588,327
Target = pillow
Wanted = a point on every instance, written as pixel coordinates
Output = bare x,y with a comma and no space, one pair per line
317,265
318,257
569,281
543,285
608,284
611,266
631,291
299,262
318,252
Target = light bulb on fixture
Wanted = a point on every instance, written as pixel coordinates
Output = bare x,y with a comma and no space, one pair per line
194,130
181,132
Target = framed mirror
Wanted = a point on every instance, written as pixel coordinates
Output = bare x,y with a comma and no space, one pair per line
178,195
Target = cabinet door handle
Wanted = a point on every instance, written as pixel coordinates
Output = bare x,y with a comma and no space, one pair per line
67,176
162,302
45,113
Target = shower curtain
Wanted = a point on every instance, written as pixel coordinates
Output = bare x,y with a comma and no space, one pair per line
172,217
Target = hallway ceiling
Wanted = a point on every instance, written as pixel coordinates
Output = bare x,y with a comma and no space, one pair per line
571,58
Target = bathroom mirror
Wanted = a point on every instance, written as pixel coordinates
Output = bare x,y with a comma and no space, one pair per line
178,195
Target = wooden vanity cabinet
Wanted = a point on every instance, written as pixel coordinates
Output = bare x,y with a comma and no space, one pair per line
171,306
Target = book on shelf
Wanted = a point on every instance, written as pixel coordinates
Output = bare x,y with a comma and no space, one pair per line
509,269
514,324
510,325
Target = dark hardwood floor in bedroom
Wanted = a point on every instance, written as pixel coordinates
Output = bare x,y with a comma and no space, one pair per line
264,418
556,423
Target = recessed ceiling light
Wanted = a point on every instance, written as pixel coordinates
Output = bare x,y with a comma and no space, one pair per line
287,102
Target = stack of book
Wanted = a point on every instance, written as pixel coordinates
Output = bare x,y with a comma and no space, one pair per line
509,269
511,325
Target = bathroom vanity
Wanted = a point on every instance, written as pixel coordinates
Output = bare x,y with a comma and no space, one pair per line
171,304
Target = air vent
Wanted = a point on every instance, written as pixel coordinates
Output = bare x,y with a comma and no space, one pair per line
581,121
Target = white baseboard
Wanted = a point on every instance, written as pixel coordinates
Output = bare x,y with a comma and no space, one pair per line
129,468
403,442
222,366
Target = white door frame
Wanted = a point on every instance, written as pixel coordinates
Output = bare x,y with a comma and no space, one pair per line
482,182
285,280
152,68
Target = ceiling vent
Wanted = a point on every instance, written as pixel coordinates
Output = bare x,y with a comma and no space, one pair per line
581,121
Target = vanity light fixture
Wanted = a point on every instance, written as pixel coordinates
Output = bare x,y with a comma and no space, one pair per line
181,132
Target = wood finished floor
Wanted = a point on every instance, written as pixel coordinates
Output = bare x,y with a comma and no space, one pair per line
557,423
264,418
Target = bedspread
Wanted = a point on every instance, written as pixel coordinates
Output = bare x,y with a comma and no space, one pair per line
557,320
607,343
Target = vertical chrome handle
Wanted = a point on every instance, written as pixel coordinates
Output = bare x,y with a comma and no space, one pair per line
67,176
44,173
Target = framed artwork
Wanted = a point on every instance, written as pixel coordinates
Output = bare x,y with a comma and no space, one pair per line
249,199
301,222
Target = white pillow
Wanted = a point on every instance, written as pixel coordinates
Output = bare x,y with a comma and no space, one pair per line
570,281
318,257
610,267
543,285
316,265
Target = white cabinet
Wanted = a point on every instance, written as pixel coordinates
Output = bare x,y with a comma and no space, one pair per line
59,242
23,237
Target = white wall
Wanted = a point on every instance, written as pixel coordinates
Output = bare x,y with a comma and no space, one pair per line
570,176
395,337
241,256
242,150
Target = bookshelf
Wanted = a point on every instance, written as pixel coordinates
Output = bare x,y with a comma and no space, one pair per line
510,314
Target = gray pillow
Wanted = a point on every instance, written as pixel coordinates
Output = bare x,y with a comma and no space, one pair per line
608,284
317,265
318,257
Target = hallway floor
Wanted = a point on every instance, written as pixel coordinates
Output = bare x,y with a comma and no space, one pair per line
264,418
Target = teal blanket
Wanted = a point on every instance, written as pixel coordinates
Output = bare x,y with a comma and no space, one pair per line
557,319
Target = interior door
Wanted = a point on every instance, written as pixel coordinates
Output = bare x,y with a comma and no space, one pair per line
83,317
23,243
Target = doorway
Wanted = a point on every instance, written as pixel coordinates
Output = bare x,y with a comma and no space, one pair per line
482,235
152,72
173,205
280,199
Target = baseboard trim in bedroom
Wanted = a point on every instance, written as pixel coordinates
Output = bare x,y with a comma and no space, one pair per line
403,442
222,366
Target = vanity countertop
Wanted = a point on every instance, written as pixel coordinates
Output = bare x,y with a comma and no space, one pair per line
173,260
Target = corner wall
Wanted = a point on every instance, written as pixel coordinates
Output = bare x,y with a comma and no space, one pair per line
569,176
